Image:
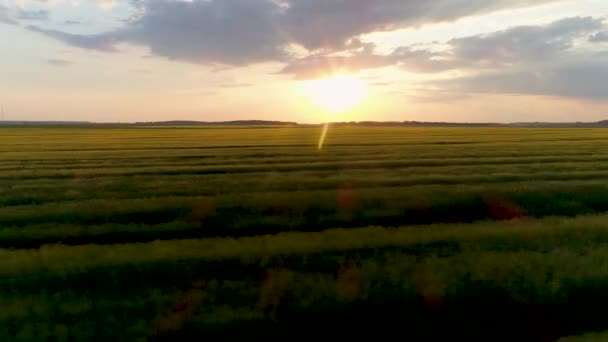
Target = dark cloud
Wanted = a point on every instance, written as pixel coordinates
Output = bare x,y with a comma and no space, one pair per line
579,80
538,60
599,37
241,32
518,45
100,42
72,22
236,32
59,62
331,23
524,42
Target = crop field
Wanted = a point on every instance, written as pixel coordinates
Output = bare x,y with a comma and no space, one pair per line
188,233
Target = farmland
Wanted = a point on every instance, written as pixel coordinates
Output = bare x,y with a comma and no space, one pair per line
182,233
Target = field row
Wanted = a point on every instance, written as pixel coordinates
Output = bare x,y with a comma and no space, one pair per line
390,150
65,138
246,214
462,280
40,191
17,173
548,235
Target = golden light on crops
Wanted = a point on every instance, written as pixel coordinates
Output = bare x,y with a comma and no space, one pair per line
337,93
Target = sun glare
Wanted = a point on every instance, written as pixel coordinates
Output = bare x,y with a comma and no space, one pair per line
337,93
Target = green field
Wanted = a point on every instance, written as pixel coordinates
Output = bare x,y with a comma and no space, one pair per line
187,233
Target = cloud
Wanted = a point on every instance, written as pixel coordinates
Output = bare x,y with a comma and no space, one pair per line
12,16
506,48
32,15
537,60
5,16
105,4
332,23
242,32
540,59
526,60
236,32
599,37
72,22
59,62
522,44
318,65
100,42
578,80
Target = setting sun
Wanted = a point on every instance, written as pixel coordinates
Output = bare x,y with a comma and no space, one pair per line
337,93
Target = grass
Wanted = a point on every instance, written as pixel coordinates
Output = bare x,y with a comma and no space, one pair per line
249,214
517,267
175,233
587,338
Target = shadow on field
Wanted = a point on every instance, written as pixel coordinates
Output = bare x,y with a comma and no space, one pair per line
346,207
473,310
476,312
348,212
207,218
364,293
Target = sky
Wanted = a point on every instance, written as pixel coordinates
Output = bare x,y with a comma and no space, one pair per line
218,60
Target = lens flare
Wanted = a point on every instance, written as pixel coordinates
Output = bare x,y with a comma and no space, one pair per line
323,135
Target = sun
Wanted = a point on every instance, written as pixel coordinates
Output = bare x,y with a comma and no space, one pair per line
336,94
